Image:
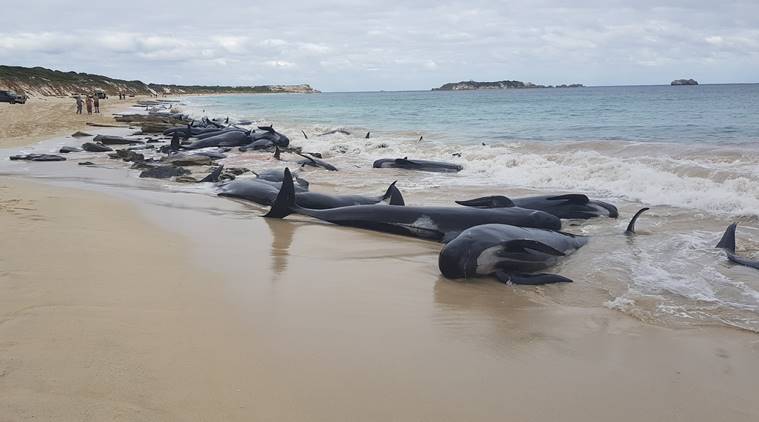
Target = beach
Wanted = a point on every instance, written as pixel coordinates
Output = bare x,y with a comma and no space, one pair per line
46,117
124,301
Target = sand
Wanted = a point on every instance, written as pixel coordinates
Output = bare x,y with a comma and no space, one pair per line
47,117
139,305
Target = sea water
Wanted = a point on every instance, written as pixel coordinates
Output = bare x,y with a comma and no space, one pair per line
691,153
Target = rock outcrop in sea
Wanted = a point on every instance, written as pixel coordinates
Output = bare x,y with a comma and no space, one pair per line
506,84
684,82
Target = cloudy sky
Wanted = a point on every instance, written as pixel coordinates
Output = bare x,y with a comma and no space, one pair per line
348,45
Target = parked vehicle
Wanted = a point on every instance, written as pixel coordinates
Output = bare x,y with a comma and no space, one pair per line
12,97
101,95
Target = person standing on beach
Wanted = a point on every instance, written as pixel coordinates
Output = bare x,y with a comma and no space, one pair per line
89,104
97,104
78,104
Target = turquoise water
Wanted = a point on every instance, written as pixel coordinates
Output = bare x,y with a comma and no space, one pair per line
693,147
683,114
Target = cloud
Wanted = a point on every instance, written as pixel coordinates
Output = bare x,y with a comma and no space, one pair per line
360,44
279,64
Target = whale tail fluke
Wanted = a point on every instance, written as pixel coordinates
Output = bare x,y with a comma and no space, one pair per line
728,239
393,195
631,226
285,201
495,201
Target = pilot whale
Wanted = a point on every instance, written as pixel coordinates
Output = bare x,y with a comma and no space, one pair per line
265,192
422,165
570,206
434,223
512,254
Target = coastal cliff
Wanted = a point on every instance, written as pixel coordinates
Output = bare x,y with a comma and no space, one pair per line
39,81
474,85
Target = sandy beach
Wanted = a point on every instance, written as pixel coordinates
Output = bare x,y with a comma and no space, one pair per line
127,303
46,117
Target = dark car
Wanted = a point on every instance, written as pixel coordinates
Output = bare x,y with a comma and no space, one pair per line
12,97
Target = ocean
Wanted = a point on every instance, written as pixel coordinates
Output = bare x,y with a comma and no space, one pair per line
685,146
691,153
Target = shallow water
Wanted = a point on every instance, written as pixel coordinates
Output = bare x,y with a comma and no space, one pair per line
689,153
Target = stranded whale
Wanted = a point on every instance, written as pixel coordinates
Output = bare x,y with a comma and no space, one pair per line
511,253
422,165
435,223
265,193
571,206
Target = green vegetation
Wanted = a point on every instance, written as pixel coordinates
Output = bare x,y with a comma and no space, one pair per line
42,81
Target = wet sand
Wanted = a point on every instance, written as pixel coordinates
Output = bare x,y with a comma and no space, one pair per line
121,301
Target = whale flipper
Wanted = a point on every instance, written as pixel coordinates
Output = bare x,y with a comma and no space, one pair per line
530,279
304,133
518,245
495,201
631,227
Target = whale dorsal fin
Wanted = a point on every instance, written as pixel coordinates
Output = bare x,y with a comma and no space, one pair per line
394,195
574,198
728,239
213,177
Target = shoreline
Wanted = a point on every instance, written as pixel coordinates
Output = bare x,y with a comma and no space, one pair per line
190,307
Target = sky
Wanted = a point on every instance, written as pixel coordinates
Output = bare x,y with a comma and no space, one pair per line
356,45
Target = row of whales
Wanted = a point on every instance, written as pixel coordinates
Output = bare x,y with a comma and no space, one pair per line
265,192
261,138
507,241
509,238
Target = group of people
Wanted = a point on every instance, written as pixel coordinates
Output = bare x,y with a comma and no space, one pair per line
122,95
92,103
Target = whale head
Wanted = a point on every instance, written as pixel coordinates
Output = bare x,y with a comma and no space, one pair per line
488,248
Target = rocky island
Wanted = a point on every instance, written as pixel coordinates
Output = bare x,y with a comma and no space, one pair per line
473,85
683,82
39,81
